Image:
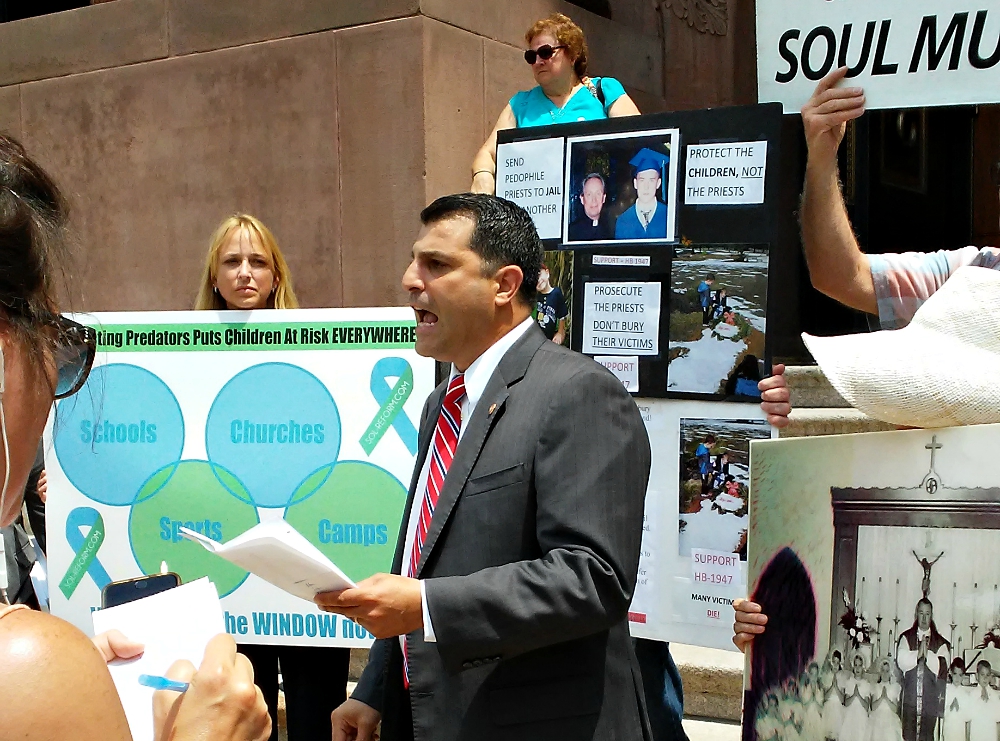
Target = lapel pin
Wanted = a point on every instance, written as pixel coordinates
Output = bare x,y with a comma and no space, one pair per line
493,408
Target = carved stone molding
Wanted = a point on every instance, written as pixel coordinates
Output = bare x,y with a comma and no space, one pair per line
705,16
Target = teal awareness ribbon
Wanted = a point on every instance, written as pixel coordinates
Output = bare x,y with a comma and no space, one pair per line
391,413
86,547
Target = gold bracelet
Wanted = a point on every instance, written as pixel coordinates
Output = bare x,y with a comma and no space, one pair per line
488,172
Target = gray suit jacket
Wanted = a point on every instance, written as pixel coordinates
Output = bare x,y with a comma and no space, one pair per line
530,564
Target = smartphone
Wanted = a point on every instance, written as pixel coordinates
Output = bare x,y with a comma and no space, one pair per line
120,592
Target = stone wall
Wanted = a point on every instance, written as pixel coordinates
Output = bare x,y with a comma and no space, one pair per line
334,122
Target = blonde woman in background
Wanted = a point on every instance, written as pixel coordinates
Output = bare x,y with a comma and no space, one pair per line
245,270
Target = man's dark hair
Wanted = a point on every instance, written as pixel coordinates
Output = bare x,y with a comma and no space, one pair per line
504,234
710,276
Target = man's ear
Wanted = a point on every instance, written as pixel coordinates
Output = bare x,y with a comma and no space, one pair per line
508,279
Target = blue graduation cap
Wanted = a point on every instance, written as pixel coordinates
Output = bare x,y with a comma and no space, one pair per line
649,159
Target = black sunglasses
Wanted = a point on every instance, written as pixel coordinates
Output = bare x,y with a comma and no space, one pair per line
75,345
544,52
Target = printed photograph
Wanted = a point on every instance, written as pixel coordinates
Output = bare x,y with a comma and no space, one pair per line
622,188
554,303
714,485
718,324
883,604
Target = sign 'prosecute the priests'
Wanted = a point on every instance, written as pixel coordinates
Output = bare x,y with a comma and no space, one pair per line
904,53
530,174
621,318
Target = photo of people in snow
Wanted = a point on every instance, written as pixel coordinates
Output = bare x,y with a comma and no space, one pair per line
715,480
621,187
718,302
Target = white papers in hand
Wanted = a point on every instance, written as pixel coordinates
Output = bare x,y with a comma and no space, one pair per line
172,625
279,554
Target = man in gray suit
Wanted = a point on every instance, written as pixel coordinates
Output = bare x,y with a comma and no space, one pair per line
505,616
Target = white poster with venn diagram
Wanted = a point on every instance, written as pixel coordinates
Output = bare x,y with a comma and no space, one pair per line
217,421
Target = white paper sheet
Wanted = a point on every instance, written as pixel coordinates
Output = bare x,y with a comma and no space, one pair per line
279,554
173,625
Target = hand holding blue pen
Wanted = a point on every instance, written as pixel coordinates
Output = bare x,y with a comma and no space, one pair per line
162,683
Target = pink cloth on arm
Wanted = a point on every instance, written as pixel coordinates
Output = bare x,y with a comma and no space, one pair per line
904,281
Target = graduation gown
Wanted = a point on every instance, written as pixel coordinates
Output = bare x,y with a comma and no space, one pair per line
628,225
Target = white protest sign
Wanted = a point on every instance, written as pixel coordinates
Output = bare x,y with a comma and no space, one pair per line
621,318
217,421
904,53
625,368
693,541
725,174
531,175
713,576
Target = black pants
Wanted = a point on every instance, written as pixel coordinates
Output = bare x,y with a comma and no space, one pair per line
664,691
706,313
315,683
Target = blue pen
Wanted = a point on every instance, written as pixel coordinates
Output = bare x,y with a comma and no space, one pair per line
162,683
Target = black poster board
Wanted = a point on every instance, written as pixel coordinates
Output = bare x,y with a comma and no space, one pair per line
695,228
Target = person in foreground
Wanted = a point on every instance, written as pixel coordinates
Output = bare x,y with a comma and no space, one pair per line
55,683
557,53
505,615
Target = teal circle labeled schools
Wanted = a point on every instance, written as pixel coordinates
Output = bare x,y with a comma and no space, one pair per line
123,425
353,516
199,496
272,425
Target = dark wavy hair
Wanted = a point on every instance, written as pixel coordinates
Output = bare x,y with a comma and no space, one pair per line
33,218
504,234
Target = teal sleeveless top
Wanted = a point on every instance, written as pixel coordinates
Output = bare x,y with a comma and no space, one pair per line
533,108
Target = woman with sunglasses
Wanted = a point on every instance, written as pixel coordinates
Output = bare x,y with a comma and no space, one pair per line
245,269
557,53
54,684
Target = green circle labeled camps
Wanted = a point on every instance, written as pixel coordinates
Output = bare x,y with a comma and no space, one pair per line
199,496
353,516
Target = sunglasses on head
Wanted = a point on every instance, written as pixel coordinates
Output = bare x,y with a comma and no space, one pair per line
543,52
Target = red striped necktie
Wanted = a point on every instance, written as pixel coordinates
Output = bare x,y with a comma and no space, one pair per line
442,453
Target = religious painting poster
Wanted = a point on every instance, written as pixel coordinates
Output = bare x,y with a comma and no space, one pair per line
686,586
216,421
875,558
718,319
622,188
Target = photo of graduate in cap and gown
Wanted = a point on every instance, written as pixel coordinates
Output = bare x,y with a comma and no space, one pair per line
647,218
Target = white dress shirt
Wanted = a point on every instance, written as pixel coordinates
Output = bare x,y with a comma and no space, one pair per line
477,376
646,217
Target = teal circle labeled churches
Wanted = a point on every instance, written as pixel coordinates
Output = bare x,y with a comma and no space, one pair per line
123,425
273,425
